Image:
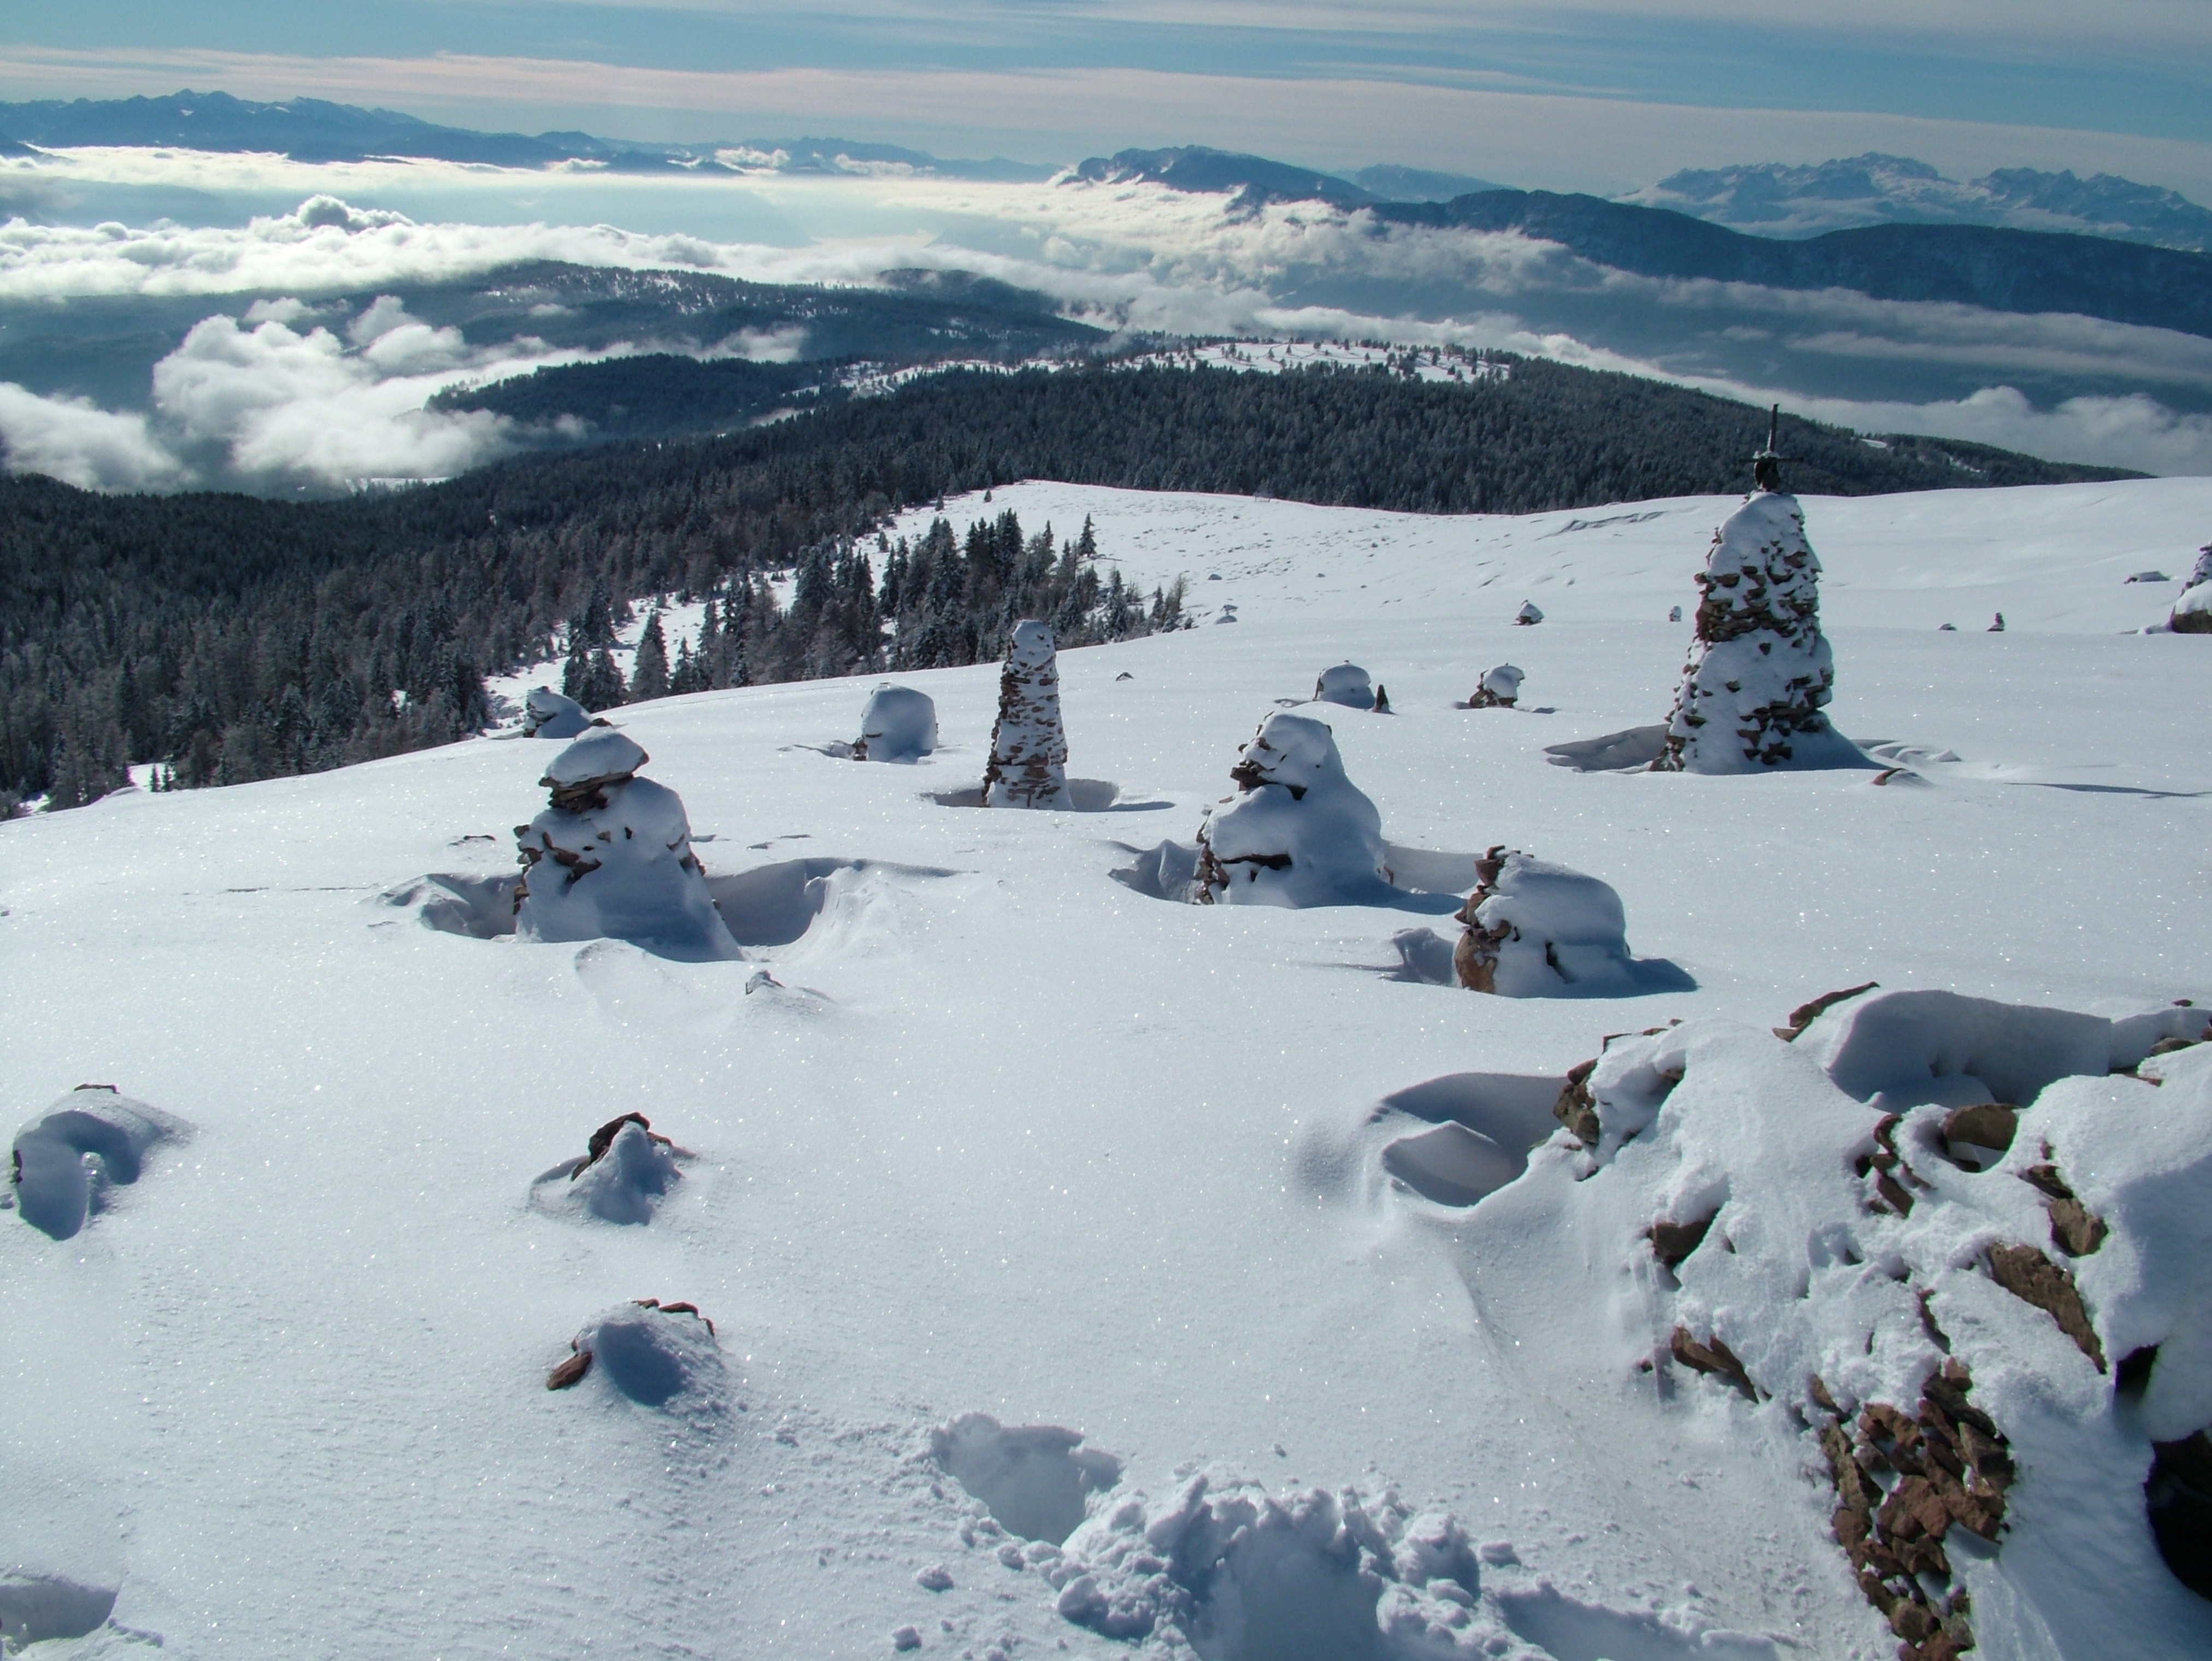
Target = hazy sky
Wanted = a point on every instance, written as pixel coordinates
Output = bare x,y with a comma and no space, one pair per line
1605,95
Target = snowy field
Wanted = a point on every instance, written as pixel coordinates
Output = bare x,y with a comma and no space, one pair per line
998,1134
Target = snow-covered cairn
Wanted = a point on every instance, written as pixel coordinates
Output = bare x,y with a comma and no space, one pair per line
1346,684
1759,668
547,714
1500,688
611,858
1300,833
1536,930
1029,747
2192,612
899,725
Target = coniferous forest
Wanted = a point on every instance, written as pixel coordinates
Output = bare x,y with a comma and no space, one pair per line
229,638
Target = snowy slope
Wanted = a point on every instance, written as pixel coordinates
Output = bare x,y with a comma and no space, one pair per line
998,1134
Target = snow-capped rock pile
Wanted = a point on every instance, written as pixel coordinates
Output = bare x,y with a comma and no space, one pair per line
1530,614
1232,1570
1500,688
1760,670
658,1354
898,724
2192,612
1029,747
626,1169
1345,684
1985,1360
1537,930
611,858
92,1140
547,714
1300,833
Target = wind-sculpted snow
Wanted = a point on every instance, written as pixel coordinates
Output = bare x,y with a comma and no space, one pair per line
90,1142
655,1355
34,1609
1038,1480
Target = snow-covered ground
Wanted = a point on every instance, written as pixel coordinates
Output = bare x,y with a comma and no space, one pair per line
979,1130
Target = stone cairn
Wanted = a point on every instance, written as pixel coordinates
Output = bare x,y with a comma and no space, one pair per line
1029,747
1759,668
1500,688
2192,612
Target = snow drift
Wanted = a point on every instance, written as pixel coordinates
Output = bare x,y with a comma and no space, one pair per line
92,1140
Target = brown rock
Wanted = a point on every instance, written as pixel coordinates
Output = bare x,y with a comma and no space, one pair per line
1989,1125
1713,1357
1913,1620
1671,1242
2075,1228
2033,1278
1805,1014
571,1371
1576,1108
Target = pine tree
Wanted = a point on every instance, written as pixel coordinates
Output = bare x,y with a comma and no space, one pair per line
648,676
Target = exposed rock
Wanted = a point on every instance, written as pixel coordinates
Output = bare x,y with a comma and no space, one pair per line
898,724
1537,930
1761,671
1500,688
1672,1242
1981,1129
571,1371
2033,1278
1714,1357
1806,1014
2074,1229
1028,766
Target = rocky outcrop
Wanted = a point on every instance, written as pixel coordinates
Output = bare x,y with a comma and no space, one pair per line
1029,747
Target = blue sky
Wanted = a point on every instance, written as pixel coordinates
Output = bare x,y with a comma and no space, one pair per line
1606,95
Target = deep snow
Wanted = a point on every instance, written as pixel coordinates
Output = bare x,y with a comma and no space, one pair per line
978,1131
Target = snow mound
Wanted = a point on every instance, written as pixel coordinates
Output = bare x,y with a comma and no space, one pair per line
611,859
1631,751
479,908
898,724
655,1355
777,904
625,1170
547,714
1346,684
36,1608
1530,614
1240,1574
1759,669
1029,747
1500,688
1037,1480
1480,1129
1538,929
91,1140
1931,1341
1300,833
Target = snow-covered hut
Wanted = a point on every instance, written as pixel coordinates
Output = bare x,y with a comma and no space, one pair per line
547,714
899,725
1346,684
1537,930
611,858
1029,747
1500,688
1761,670
1299,833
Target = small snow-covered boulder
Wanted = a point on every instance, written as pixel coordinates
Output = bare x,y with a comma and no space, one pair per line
1537,930
611,859
1761,671
2192,612
1299,834
1029,747
1346,684
626,1169
656,1354
899,725
1528,615
1500,688
91,1140
547,714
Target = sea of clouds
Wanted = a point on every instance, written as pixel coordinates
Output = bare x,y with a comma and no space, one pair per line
300,376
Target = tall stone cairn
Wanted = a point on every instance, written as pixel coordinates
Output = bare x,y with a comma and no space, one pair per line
1029,747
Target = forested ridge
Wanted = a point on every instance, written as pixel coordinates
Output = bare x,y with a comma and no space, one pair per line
231,637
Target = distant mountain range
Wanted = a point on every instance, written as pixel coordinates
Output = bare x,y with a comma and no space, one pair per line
313,130
1874,188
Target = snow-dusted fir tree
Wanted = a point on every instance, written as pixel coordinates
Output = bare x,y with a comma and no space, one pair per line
611,858
2192,612
1759,669
1299,834
1028,748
